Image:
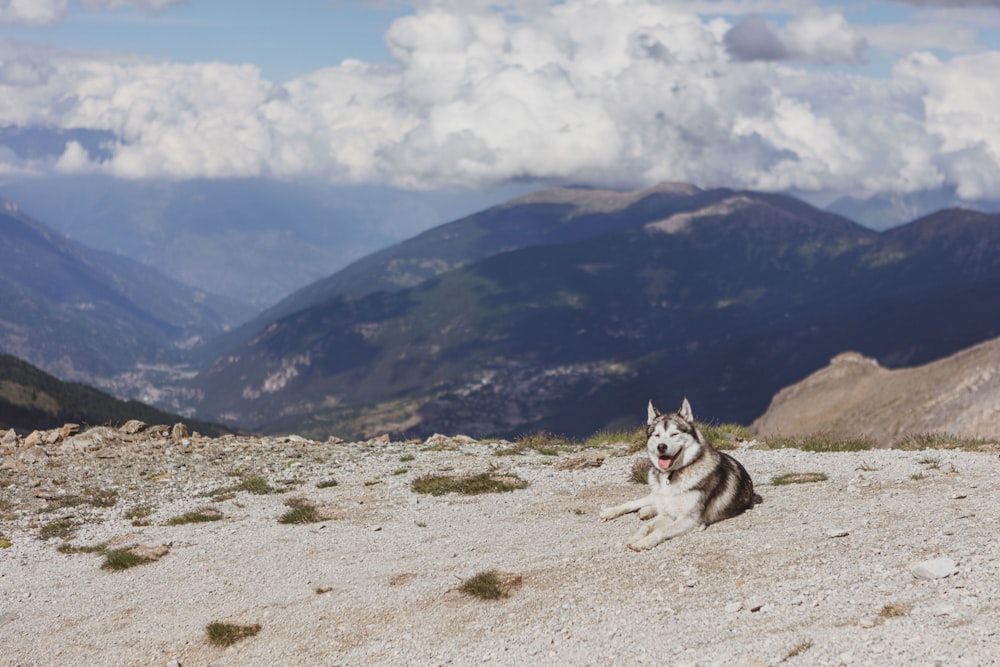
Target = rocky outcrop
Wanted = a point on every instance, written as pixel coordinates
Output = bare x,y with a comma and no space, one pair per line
854,396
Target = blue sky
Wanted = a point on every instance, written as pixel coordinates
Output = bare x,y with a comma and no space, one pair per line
808,95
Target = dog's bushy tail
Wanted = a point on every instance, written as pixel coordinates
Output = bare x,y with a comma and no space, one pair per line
757,500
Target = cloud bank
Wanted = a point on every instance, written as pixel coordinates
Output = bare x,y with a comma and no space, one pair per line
619,92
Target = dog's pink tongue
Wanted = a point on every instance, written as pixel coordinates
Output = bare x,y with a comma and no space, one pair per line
664,463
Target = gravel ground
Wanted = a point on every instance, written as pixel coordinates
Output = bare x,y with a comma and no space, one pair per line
818,574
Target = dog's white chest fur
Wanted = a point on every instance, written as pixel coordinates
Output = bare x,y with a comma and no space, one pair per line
671,500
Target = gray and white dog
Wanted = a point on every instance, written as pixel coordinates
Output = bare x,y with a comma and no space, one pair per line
691,483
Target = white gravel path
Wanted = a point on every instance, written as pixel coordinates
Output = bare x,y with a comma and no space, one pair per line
827,565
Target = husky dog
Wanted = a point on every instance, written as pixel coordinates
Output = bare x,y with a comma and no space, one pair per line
691,483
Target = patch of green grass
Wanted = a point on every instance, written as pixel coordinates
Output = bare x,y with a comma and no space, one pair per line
5,543
227,634
400,471
64,502
62,528
122,559
102,497
196,516
920,441
725,436
406,457
798,478
635,439
469,485
254,484
67,548
301,510
326,484
640,471
542,442
490,585
819,443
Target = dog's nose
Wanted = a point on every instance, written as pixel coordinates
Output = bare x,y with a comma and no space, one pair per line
661,448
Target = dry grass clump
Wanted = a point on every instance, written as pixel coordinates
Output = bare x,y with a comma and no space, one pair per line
819,443
122,559
254,484
640,471
634,438
798,478
920,441
542,442
62,528
227,634
469,485
892,611
196,516
725,436
491,585
301,510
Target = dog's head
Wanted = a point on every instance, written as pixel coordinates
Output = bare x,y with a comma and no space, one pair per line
672,439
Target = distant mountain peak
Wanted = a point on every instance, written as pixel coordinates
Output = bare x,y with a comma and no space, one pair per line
589,200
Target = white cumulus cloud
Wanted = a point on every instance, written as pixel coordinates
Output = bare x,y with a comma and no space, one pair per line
620,92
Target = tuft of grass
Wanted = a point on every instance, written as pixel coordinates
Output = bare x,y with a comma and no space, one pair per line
196,516
933,464
5,543
140,512
820,443
635,439
301,510
892,611
400,471
102,497
62,528
67,548
122,559
918,441
798,478
725,436
254,484
227,634
917,476
798,650
542,442
469,485
640,471
326,484
490,585
406,457
64,502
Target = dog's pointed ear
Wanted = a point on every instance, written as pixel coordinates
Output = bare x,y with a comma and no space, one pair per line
685,411
651,413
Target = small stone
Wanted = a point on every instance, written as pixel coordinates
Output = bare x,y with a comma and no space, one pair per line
69,430
835,532
957,496
52,437
734,607
151,552
868,622
133,426
34,438
936,568
179,431
753,605
33,455
578,462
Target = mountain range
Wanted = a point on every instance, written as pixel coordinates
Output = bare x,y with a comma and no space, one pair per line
568,309
562,310
33,400
92,316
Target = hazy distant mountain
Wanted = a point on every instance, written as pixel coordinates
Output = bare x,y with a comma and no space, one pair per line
86,315
32,400
725,304
856,397
253,240
890,210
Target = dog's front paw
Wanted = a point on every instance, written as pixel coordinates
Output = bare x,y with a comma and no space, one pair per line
608,513
644,543
647,513
641,533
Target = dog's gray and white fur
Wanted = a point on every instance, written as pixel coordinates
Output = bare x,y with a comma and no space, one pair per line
691,483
